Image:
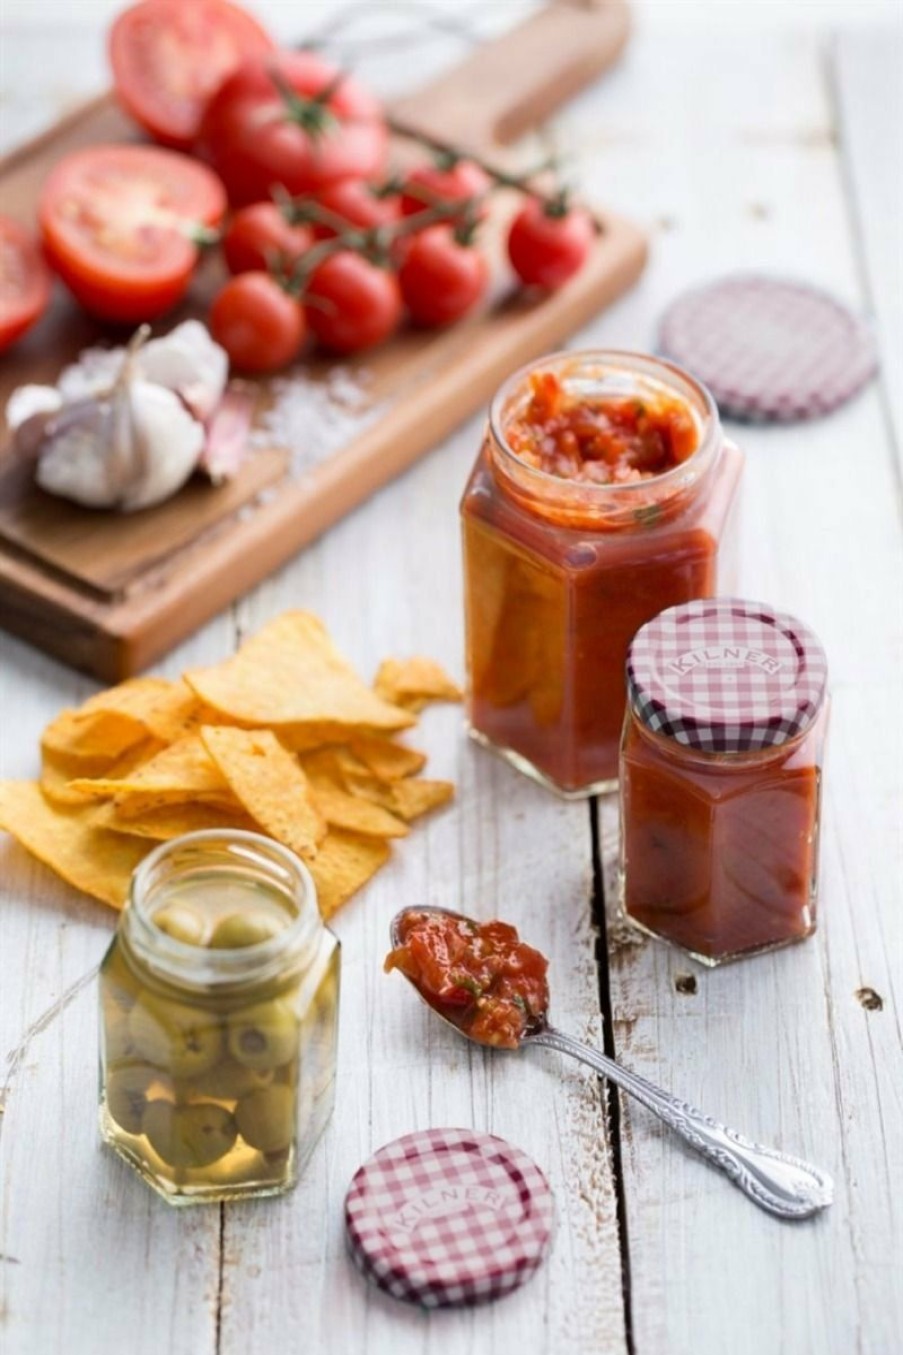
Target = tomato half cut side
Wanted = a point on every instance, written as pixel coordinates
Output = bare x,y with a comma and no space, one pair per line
24,282
170,56
119,225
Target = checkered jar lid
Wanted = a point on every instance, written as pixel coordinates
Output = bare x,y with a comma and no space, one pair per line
448,1217
768,349
723,675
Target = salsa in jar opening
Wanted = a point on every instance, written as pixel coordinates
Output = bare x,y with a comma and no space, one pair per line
606,439
479,976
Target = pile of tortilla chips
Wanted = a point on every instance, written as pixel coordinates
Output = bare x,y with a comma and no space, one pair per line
282,738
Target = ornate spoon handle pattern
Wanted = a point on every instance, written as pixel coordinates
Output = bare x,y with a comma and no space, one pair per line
777,1182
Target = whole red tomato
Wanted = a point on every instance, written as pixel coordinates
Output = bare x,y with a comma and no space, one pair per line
355,202
352,303
259,236
293,119
546,248
259,324
441,280
431,184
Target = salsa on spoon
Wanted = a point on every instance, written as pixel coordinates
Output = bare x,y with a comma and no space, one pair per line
491,986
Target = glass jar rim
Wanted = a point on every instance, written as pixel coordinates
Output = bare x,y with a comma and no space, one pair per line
190,965
624,360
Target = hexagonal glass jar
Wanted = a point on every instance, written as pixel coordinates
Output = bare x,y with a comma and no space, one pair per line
560,574
218,1019
719,851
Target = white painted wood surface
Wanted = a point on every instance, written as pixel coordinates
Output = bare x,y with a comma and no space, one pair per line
742,168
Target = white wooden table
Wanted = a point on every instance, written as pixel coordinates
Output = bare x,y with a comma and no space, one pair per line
758,146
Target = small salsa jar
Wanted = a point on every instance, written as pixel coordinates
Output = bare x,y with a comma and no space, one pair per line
721,766
604,492
218,1017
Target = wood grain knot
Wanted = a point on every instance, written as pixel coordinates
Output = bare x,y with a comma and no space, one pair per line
685,983
869,999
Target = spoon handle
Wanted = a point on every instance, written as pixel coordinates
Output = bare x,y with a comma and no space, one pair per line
781,1184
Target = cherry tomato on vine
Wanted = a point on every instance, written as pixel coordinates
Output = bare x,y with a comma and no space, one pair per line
24,282
441,280
169,56
293,119
352,303
119,225
259,236
430,184
546,249
355,202
258,323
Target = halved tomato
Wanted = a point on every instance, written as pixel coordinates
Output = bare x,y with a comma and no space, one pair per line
169,56
24,282
120,225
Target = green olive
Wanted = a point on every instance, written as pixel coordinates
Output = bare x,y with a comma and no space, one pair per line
228,1080
266,1119
118,1043
183,1040
265,1035
182,923
189,1136
125,1092
243,929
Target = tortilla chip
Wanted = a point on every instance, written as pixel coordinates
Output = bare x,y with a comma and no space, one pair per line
184,772
59,773
96,735
341,810
166,710
413,683
386,759
269,783
289,674
343,865
98,862
410,799
162,825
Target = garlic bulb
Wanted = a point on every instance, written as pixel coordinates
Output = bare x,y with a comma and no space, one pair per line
125,427
129,449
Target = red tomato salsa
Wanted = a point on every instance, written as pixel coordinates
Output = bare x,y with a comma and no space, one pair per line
480,976
608,440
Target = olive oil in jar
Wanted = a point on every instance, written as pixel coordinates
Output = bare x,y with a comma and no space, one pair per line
219,1005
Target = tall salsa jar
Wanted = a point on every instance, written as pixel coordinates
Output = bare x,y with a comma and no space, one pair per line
721,775
218,1019
604,491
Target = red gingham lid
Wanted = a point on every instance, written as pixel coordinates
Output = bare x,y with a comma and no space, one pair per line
769,349
726,676
448,1216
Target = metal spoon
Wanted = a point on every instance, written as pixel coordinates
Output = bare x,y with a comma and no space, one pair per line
783,1185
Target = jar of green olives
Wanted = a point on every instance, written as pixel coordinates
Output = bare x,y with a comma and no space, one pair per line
218,1014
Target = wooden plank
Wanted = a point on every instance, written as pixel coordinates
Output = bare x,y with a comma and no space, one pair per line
867,88
778,1046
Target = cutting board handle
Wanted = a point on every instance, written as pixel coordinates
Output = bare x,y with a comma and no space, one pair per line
508,86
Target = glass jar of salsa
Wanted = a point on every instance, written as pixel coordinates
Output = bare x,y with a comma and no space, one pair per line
218,1006
603,492
721,765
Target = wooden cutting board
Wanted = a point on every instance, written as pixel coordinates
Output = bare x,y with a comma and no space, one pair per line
109,593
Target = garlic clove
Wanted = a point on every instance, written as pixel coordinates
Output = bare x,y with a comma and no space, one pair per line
227,434
171,441
188,361
26,401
